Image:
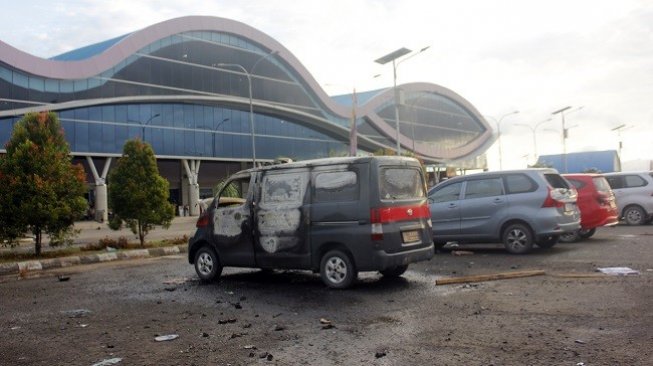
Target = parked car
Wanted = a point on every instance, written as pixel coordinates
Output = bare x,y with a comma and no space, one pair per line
634,194
334,216
596,203
518,208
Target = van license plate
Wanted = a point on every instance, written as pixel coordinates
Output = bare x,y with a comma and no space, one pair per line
410,236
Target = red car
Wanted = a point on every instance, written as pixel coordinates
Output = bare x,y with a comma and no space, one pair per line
596,203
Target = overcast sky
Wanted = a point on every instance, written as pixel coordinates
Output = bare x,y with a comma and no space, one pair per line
502,56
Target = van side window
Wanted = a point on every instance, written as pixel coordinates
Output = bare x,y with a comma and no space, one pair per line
615,181
284,189
336,186
519,183
479,188
634,181
400,183
447,194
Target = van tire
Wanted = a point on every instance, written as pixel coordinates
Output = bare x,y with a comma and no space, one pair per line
634,215
394,272
337,270
207,264
517,238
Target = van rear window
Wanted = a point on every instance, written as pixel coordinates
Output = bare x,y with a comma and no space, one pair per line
556,181
401,183
601,184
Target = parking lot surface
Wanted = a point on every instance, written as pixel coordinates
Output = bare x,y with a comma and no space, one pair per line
571,315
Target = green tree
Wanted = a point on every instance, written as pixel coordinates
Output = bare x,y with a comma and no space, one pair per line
138,195
40,189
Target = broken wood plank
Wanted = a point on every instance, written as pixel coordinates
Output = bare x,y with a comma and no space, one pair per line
489,277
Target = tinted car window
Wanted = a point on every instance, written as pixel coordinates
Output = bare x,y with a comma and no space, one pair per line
401,183
519,183
483,188
634,181
615,182
336,186
556,181
447,193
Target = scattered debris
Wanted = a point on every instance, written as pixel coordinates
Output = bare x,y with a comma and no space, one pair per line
205,335
227,321
237,335
380,354
618,271
278,328
15,328
578,275
579,341
461,252
266,355
249,346
63,278
237,305
489,277
326,324
107,362
175,281
83,325
76,313
168,337
170,289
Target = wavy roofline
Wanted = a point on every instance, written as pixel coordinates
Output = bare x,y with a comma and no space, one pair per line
130,44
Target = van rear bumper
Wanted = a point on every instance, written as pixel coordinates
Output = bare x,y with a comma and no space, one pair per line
383,260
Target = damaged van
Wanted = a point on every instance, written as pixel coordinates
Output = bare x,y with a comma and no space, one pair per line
335,216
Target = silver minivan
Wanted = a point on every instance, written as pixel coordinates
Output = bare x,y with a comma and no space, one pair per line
634,194
518,208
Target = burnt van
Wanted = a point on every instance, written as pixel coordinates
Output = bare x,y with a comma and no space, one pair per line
336,217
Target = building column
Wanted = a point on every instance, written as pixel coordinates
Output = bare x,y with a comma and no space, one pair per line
192,172
101,198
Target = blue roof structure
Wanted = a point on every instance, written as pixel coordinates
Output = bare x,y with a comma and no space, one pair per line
88,51
579,162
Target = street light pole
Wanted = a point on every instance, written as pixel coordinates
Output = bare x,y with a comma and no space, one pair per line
498,122
145,124
393,56
619,128
564,136
534,130
215,130
251,104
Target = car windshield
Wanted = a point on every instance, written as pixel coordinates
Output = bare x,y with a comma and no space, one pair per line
401,183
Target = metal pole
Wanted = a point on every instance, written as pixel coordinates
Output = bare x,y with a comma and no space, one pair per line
394,73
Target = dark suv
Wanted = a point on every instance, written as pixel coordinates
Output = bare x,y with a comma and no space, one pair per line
518,208
334,216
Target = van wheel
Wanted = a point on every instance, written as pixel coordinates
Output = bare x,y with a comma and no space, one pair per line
207,264
634,215
517,239
548,241
393,272
570,236
586,234
337,270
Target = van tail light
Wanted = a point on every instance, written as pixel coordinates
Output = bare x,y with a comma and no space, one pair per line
550,201
203,220
386,215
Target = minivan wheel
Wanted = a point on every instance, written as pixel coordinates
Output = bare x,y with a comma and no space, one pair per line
393,272
517,239
586,234
634,215
337,270
570,236
207,264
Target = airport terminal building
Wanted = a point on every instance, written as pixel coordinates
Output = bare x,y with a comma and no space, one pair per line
212,96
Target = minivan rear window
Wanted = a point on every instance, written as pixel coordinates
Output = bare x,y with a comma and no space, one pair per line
401,183
601,184
519,183
556,181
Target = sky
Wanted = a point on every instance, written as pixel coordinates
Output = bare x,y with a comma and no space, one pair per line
502,56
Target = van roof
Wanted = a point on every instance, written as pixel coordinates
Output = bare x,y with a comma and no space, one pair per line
336,161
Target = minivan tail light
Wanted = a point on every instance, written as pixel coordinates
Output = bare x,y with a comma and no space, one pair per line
385,215
203,220
550,201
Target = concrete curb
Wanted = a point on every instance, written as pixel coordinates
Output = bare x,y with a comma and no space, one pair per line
44,264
